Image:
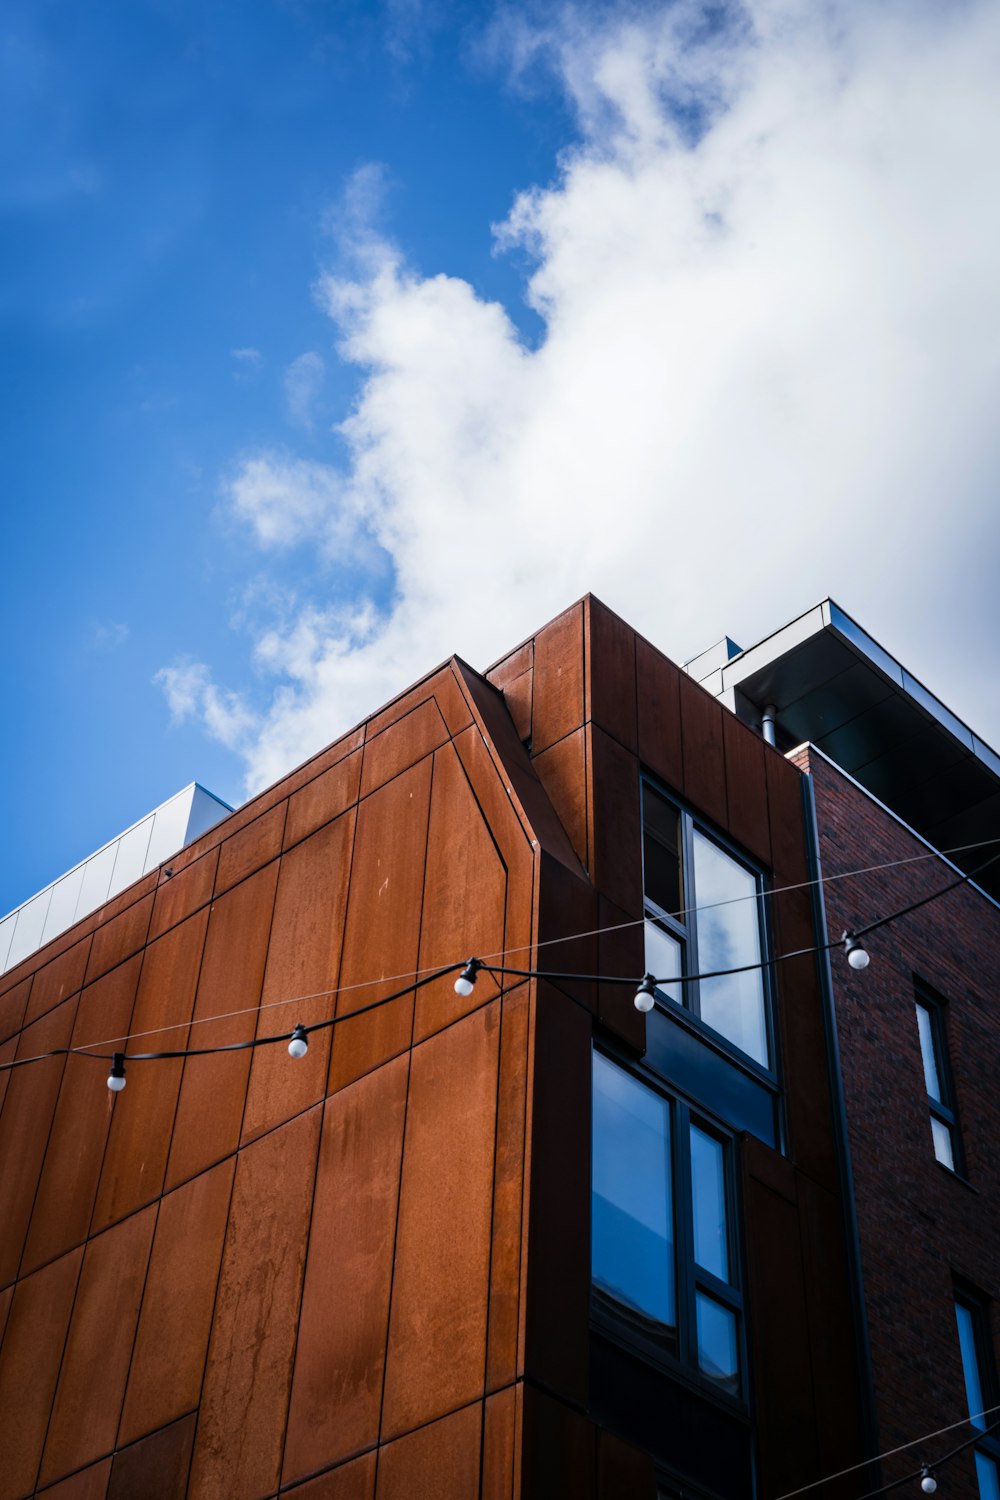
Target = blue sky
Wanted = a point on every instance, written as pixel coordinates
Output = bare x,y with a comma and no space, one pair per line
338,337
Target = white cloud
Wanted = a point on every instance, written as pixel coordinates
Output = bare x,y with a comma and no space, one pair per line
106,636
767,278
191,694
303,382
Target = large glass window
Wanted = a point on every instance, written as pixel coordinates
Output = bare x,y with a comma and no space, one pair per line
663,1255
937,1078
702,915
980,1387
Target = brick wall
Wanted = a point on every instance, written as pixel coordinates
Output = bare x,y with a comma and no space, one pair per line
919,1223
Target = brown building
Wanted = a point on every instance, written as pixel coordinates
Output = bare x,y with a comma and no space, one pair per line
525,1242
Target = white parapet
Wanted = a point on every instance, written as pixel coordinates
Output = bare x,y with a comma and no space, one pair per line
169,827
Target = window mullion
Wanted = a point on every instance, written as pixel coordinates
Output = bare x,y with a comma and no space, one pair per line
684,1234
692,999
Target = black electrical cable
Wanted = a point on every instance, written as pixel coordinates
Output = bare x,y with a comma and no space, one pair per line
554,975
934,1465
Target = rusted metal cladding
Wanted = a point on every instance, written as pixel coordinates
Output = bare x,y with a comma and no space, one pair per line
247,1273
598,707
366,1273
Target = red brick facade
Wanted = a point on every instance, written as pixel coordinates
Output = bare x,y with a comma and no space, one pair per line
920,1225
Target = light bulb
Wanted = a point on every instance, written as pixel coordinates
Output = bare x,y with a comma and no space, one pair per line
116,1078
645,995
466,981
928,1483
857,954
299,1045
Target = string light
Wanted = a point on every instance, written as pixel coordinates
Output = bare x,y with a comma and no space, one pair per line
645,995
927,1481
466,981
857,954
116,1078
299,1045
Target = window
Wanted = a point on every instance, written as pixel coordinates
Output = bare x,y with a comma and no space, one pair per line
664,1263
937,1078
980,1387
701,916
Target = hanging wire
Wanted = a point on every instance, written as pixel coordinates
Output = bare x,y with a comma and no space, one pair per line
430,976
935,1464
891,1453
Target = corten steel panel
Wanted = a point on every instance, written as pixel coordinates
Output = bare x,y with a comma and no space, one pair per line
7,1051
558,1269
88,1484
310,769
68,1185
464,898
746,788
118,939
508,1192
702,745
57,980
623,1472
805,1068
562,770
559,705
245,1394
29,1368
179,895
339,1362
157,1467
518,694
351,1481
303,959
402,745
611,667
517,773
143,1115
778,1326
28,1108
621,954
566,929
174,1323
514,678
5,1300
451,700
838,1414
557,1450
95,1364
784,800
13,1004
251,848
382,933
616,839
440,1462
213,1089
520,660
322,800
119,904
437,1323
498,1445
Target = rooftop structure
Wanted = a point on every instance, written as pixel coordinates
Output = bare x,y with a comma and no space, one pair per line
110,869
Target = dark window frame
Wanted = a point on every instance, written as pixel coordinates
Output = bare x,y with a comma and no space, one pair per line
977,1306
945,1109
683,928
616,1322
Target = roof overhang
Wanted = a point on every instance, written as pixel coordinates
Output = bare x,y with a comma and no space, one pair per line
832,684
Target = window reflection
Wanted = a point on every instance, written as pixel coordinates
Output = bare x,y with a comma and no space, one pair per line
717,1344
729,937
708,1192
632,1223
